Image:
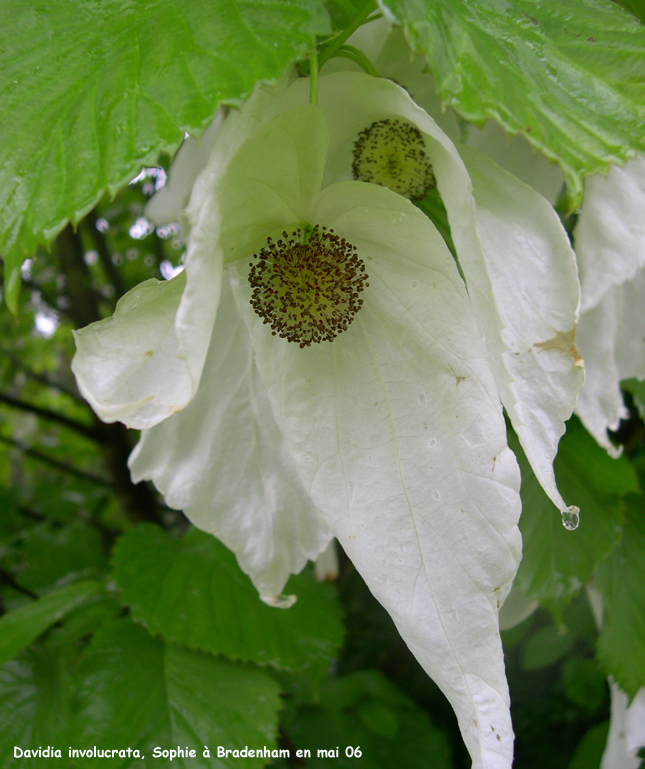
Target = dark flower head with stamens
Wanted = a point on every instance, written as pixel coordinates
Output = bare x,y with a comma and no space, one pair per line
307,286
392,153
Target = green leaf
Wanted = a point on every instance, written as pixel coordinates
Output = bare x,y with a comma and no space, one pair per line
83,622
620,579
19,627
34,707
636,7
433,207
584,683
343,12
589,751
513,636
91,92
637,389
54,553
366,710
545,648
569,76
132,690
10,520
556,563
191,591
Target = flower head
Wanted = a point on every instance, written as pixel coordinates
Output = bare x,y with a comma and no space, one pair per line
307,287
392,154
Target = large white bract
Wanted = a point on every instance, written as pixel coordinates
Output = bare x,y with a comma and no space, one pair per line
516,258
391,437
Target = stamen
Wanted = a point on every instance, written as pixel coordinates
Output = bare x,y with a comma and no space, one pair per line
308,291
392,154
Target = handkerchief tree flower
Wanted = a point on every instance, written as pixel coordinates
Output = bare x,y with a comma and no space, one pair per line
371,280
388,433
609,241
522,272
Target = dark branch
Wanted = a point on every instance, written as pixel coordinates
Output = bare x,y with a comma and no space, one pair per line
139,500
83,306
47,298
41,378
63,467
53,416
35,516
105,256
8,579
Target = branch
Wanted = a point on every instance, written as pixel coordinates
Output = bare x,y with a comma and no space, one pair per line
46,297
32,514
8,578
53,416
42,378
105,256
83,307
138,500
63,467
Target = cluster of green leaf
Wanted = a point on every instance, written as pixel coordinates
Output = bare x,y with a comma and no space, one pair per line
560,697
198,674
126,85
608,548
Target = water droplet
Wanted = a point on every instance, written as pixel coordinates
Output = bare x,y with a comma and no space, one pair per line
432,443
414,284
436,495
571,518
421,399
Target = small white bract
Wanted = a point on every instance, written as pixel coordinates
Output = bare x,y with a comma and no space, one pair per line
610,244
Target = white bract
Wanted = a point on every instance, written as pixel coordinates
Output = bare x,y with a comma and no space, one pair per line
169,202
518,264
610,243
627,724
391,436
626,730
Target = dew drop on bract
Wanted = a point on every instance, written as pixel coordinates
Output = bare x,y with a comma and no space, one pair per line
571,518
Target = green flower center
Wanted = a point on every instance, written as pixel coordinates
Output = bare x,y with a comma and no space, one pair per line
307,286
392,154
